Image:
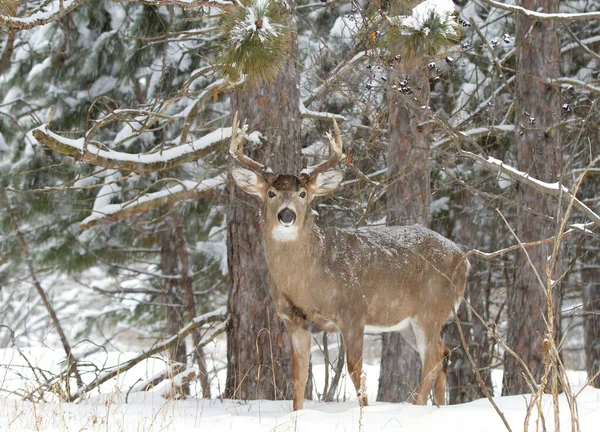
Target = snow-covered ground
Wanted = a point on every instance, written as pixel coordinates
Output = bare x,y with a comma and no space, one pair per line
116,408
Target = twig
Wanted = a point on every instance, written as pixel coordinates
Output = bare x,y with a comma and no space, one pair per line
220,315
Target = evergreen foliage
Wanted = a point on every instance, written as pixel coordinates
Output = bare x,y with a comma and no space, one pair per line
255,40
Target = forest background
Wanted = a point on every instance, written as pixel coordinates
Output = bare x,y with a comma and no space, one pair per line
121,230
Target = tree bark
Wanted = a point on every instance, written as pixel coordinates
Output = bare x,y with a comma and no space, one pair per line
539,154
462,383
258,345
173,293
407,203
591,321
190,303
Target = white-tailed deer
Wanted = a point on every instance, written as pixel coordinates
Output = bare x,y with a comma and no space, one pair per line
407,279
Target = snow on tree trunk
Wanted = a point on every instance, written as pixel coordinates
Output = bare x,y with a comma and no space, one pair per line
539,154
259,362
407,203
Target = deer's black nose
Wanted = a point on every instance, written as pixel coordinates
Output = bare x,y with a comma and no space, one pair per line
286,217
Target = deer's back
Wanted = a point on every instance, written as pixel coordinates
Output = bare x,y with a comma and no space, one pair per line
398,269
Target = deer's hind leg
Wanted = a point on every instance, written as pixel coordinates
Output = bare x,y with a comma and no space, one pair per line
431,350
439,388
353,342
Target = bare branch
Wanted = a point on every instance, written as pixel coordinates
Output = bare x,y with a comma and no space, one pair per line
95,154
540,16
224,5
554,189
220,316
334,76
56,10
306,113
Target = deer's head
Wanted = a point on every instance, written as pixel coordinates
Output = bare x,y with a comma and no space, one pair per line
286,198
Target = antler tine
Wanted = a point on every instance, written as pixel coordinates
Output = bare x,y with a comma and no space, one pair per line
236,148
335,152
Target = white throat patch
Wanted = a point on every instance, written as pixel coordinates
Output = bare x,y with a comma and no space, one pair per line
284,234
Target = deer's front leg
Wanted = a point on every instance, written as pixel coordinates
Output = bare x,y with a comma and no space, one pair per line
300,360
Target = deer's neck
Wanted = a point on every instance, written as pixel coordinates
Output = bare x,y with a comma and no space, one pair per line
294,260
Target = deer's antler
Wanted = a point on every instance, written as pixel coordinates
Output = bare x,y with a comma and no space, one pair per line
236,150
335,155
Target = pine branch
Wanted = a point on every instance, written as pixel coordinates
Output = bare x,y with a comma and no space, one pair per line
96,154
540,16
59,9
186,190
71,360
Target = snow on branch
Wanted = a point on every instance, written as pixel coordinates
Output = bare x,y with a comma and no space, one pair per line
554,189
476,133
220,316
51,11
184,190
566,82
186,4
540,16
96,154
318,115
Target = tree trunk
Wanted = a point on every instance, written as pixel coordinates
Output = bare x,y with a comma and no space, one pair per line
591,321
258,346
407,203
539,154
190,302
462,383
173,293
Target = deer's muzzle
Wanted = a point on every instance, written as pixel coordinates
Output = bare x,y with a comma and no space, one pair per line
286,217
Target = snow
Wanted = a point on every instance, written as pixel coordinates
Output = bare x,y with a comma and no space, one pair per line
3,146
102,85
248,28
418,21
545,185
118,408
346,27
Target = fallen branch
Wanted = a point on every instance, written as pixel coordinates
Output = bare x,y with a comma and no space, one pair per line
95,154
219,315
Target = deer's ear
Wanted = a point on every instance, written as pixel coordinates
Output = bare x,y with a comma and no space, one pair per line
249,181
325,183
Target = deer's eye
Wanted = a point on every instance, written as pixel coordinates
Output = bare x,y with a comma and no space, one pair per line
302,194
271,194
